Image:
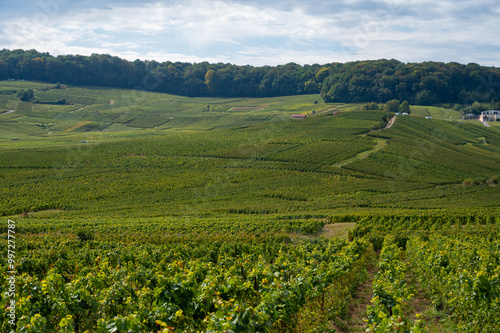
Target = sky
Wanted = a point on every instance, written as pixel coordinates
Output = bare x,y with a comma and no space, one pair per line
258,32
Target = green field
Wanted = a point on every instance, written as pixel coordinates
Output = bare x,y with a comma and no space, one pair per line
215,213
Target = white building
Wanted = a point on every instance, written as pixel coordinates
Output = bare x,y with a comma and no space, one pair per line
490,115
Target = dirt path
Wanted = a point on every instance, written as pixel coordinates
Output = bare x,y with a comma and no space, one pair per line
485,123
336,230
357,308
390,122
380,144
420,304
79,109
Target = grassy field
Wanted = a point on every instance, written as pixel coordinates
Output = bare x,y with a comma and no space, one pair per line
435,112
225,187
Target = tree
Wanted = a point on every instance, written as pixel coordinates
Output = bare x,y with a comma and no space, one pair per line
25,95
405,107
477,107
424,97
209,80
370,106
392,106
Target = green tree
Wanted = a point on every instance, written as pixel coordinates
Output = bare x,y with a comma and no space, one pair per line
477,107
370,106
209,80
405,107
392,106
424,97
25,95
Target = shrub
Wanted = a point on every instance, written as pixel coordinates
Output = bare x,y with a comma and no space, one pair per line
85,235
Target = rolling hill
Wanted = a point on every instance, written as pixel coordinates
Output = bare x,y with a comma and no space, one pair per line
157,212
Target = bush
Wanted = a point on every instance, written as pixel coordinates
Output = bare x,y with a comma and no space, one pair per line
85,235
469,182
392,106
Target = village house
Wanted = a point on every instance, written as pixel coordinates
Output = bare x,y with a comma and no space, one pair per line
490,115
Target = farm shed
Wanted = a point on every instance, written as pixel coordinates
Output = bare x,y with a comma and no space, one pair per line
299,116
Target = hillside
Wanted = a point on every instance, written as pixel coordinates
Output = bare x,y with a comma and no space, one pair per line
234,155
151,212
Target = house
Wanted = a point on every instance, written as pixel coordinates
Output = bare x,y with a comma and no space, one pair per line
470,116
299,116
490,115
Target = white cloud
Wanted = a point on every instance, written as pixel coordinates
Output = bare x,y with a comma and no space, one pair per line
262,32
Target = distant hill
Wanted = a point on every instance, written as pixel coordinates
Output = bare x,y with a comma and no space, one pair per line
426,83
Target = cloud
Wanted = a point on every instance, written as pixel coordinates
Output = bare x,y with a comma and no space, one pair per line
259,32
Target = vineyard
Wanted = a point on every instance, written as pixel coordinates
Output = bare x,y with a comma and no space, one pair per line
147,212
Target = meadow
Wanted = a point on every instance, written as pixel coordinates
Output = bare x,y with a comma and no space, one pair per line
149,212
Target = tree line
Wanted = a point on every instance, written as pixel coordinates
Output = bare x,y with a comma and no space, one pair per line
426,83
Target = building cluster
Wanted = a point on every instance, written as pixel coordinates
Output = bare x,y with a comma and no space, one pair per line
490,115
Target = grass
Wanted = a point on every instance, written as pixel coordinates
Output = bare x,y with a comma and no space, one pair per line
435,112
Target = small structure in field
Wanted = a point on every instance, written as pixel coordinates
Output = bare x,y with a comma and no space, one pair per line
490,115
298,116
470,116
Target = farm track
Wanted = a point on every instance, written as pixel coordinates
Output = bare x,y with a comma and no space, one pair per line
380,144
364,295
390,122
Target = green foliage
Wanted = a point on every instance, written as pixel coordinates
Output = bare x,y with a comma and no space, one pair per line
391,294
405,107
370,106
209,221
209,284
424,83
85,235
25,95
392,106
461,275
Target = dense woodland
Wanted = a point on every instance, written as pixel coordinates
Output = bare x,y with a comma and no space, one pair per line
426,83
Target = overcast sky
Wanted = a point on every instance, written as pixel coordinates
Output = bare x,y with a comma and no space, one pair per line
258,32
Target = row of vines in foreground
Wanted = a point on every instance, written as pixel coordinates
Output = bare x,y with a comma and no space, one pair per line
453,259
391,294
254,284
461,275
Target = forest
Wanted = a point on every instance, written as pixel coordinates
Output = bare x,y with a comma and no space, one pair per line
427,83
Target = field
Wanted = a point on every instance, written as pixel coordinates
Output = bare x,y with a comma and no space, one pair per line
147,212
